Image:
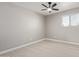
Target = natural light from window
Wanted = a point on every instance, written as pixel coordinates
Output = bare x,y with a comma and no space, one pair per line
75,20
70,20
65,21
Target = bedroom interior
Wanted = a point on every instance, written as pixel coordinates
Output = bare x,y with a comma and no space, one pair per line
39,29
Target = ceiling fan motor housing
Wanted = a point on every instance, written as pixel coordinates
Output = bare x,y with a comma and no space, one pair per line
49,2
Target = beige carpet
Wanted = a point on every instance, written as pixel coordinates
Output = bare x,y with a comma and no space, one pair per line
46,48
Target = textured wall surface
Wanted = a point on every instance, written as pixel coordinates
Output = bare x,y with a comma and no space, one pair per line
19,26
55,29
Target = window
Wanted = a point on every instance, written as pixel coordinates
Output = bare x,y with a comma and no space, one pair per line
70,20
65,21
75,20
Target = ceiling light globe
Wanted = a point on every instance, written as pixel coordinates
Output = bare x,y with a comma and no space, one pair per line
49,9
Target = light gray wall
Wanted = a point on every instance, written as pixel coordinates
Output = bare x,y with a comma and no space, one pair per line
19,26
55,29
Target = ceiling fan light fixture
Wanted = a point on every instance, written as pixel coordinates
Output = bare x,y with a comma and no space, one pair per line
49,9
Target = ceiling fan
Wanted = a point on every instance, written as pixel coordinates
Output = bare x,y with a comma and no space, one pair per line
50,7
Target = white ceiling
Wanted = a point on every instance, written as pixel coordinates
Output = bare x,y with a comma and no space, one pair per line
36,6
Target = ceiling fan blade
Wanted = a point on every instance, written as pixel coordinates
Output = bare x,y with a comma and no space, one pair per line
55,9
54,5
43,9
44,5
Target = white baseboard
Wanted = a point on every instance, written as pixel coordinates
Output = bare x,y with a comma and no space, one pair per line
63,41
21,46
27,44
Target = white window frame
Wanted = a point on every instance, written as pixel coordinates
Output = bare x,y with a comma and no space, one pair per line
70,20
